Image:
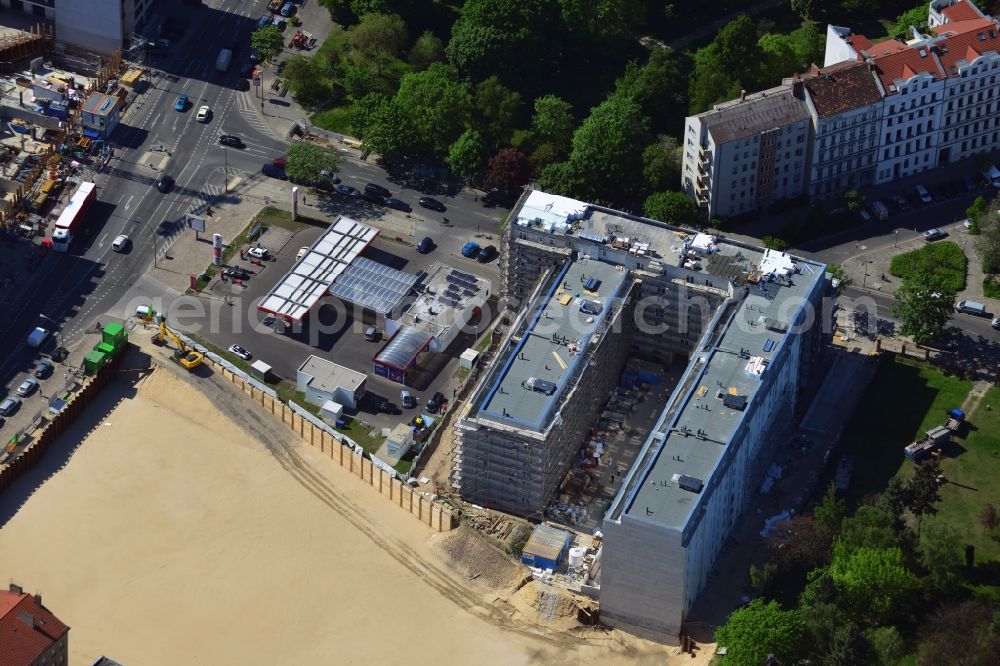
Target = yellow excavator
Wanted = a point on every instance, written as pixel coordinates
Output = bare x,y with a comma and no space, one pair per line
183,354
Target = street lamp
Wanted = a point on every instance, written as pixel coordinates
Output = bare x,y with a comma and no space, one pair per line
55,327
895,238
864,280
225,174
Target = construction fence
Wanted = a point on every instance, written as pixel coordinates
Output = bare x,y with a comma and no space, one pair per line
58,423
348,455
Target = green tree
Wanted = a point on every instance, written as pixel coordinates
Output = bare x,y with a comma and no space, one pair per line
563,178
307,80
804,8
940,552
888,646
607,151
924,491
268,41
307,161
427,49
509,170
509,38
913,18
779,58
830,512
987,242
603,19
820,622
498,109
673,207
739,52
384,129
710,81
376,40
467,155
658,87
977,209
971,624
869,526
925,307
758,629
848,648
809,43
775,243
437,107
358,81
873,583
553,124
853,200
661,164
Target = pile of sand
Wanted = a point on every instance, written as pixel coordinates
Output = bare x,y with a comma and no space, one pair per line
171,536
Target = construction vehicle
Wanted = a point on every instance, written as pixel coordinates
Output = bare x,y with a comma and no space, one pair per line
933,439
186,356
302,40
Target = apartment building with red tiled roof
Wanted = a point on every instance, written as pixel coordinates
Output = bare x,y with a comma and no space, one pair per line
30,635
879,111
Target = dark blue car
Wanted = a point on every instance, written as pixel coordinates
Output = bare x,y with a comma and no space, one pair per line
273,172
425,245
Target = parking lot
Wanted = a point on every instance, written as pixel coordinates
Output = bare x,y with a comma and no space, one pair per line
334,331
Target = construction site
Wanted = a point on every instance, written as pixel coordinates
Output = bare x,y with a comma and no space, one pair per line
634,339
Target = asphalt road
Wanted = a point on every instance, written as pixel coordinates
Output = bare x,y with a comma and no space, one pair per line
68,292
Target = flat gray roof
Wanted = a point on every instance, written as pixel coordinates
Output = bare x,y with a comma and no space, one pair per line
546,350
328,376
702,416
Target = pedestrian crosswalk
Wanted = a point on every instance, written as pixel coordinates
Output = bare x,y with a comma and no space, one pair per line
249,107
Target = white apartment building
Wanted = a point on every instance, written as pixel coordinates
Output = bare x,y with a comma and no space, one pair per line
937,102
102,26
747,153
845,103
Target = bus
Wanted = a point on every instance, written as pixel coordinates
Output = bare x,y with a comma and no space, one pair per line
71,219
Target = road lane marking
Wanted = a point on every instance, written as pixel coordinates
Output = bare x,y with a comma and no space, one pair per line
129,202
100,243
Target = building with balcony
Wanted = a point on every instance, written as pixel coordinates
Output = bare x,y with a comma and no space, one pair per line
878,111
747,153
592,287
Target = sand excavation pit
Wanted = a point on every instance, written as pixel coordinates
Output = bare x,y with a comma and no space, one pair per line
163,531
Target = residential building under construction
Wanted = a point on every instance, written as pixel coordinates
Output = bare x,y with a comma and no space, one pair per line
595,287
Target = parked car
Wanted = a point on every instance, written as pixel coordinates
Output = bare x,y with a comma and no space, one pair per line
182,103
280,162
232,141
487,254
44,369
120,243
378,189
301,253
433,204
934,234
967,223
165,183
258,252
972,308
288,9
279,23
236,273
387,407
970,183
269,321
407,400
470,250
263,21
435,403
254,56
59,354
864,215
374,198
27,387
10,405
246,70
397,204
425,245
240,351
995,323
273,172
372,334
901,201
203,113
924,194
347,191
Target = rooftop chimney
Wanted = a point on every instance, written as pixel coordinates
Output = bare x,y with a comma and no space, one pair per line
743,95
15,589
38,598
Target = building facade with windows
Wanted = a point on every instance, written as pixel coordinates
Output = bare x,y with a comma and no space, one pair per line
747,153
878,111
102,26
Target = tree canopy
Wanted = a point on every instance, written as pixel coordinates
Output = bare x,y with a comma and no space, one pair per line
376,40
925,307
307,161
758,629
268,41
873,582
673,207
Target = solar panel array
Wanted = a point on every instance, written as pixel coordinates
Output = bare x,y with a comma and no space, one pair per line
373,285
461,285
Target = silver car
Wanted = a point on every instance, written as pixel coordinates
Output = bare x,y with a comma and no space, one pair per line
10,405
27,387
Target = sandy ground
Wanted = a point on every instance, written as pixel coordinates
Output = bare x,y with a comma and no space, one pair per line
163,533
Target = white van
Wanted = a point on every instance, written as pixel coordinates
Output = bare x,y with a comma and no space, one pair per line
924,195
992,175
971,307
880,209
